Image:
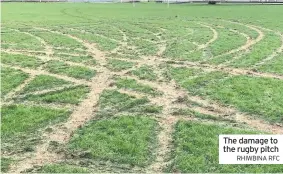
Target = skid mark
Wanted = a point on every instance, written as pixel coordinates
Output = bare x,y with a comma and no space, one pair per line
130,93
45,91
260,36
172,92
48,58
38,53
273,55
164,143
48,48
89,32
247,45
14,92
259,124
225,69
213,39
83,113
38,72
41,156
91,47
171,98
47,105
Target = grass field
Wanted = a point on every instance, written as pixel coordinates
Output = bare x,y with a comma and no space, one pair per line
116,88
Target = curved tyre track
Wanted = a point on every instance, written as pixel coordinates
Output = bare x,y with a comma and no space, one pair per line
62,132
273,55
213,39
172,93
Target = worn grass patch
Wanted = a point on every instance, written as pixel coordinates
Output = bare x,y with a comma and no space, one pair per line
112,102
85,59
145,72
132,84
71,95
42,82
180,74
86,165
19,41
144,47
191,113
72,71
259,51
20,125
196,150
62,168
141,35
194,80
258,96
58,40
118,65
10,79
103,43
20,60
273,66
17,119
5,163
227,40
122,139
179,49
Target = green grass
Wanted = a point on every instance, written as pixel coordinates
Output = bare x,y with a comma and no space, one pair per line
182,48
194,80
259,51
42,82
5,163
112,102
20,60
85,165
71,95
10,79
22,126
133,27
103,43
196,85
227,40
261,97
62,168
180,74
131,55
179,49
118,65
19,41
19,119
196,150
145,47
189,31
132,84
243,29
93,12
191,113
145,72
104,29
72,71
225,58
145,27
124,139
273,66
86,59
58,40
